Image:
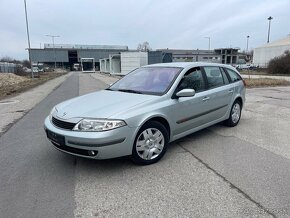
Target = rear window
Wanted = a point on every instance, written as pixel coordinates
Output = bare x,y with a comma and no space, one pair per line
233,75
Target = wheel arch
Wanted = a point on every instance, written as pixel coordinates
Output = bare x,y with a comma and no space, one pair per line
158,118
240,99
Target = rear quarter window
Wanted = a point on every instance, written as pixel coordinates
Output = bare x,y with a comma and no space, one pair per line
234,76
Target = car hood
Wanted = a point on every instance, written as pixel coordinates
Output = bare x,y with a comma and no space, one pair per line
100,104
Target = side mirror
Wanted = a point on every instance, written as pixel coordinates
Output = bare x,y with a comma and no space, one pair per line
185,93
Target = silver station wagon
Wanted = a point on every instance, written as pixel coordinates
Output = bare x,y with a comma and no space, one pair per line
143,112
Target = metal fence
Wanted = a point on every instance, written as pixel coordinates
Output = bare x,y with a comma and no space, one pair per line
7,67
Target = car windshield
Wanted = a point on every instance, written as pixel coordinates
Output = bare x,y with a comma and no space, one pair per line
147,80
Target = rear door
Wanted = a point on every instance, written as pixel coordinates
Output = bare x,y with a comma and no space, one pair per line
220,92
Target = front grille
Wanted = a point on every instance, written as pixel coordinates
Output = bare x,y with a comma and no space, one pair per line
62,124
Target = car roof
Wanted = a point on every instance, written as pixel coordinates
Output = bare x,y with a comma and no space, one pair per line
188,64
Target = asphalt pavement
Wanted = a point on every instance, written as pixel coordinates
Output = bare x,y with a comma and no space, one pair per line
217,172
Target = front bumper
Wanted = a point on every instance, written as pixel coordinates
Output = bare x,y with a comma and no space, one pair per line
97,145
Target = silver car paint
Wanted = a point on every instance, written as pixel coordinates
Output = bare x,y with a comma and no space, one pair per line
136,109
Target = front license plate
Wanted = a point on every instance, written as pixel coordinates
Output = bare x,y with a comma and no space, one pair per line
56,138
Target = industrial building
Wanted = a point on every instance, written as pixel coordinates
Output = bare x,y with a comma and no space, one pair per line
116,59
66,55
230,56
262,55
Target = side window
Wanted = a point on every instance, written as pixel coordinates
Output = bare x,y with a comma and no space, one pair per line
226,79
193,79
233,75
214,77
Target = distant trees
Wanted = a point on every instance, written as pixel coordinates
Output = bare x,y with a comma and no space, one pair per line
280,65
7,59
144,46
26,63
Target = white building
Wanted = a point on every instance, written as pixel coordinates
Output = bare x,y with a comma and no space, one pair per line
263,54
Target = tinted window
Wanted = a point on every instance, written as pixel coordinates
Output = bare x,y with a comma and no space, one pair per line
233,75
214,77
147,80
193,79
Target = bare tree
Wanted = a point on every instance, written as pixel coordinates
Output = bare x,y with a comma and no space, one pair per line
7,59
145,46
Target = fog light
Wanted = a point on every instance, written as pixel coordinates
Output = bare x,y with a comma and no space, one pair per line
92,153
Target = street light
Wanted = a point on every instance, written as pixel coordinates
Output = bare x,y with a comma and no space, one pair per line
207,37
52,36
248,43
269,18
28,39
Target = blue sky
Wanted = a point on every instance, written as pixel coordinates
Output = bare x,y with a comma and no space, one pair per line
180,24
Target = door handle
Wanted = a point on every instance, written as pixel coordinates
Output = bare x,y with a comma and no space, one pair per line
206,98
231,91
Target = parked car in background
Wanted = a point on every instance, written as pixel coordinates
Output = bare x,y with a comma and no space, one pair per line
143,112
35,69
27,70
246,67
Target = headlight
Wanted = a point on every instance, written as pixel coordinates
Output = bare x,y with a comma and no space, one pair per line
98,125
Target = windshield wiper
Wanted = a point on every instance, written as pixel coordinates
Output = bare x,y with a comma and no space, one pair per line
130,91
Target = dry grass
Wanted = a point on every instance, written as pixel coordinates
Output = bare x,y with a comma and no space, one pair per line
11,84
265,82
262,72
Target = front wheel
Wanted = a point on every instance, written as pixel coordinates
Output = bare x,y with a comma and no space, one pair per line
150,144
235,114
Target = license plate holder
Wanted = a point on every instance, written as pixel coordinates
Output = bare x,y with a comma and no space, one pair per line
56,138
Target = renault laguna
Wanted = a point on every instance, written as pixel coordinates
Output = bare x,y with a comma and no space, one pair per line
140,114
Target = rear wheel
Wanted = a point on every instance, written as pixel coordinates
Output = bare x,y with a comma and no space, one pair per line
150,144
235,114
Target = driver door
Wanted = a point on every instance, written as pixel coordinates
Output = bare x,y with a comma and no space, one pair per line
188,112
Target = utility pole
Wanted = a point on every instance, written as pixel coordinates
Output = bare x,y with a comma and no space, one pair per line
28,39
269,18
248,43
207,37
52,36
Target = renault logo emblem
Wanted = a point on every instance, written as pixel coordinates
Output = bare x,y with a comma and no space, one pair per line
64,114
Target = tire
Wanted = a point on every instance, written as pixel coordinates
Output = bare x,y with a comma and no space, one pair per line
150,143
235,114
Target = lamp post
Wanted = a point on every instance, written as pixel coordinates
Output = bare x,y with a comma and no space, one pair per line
269,18
248,43
28,39
207,37
52,36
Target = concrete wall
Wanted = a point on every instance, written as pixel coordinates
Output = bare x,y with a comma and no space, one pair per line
263,55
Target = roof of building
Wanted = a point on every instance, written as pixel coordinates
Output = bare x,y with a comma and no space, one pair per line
280,42
77,46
